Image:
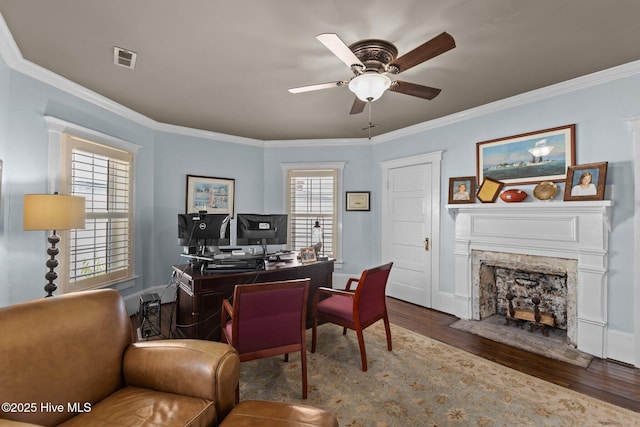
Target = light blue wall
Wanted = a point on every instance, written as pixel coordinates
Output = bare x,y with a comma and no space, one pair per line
4,130
161,166
177,156
166,158
25,149
357,176
602,135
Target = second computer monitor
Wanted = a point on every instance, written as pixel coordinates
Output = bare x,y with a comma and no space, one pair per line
261,229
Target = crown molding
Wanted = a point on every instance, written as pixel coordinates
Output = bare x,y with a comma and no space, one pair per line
11,53
329,142
199,133
583,82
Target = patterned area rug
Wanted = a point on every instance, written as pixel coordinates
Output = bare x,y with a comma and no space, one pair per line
554,346
422,382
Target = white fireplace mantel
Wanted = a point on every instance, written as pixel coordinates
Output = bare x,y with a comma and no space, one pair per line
569,230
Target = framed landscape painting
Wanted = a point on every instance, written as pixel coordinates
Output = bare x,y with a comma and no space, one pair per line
213,195
529,158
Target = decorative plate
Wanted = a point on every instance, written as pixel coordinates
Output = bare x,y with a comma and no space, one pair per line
513,195
545,191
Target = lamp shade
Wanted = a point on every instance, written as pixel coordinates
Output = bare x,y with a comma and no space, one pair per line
369,86
53,212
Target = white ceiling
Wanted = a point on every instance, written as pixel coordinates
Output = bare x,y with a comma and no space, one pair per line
225,66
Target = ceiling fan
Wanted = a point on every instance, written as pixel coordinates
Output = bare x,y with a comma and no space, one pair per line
371,60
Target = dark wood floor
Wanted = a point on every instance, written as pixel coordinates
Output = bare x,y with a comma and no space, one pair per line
610,381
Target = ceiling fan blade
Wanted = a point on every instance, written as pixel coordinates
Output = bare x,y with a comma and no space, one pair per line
413,89
358,106
339,49
317,87
434,47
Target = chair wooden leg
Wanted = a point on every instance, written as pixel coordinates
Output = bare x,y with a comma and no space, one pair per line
303,358
387,329
314,330
286,357
344,331
363,352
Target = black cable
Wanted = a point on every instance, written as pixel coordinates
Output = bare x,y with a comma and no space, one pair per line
200,322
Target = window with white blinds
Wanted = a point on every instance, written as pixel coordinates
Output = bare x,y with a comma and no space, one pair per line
312,196
101,253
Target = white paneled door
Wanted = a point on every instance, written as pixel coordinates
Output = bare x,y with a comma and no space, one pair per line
407,231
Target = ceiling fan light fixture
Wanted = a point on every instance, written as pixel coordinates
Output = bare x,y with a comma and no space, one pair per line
369,86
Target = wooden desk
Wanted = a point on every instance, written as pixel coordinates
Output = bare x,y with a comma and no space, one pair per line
199,298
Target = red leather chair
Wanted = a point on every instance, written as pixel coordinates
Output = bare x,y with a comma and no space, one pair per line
268,319
357,309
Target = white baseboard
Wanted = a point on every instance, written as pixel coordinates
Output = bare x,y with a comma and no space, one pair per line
451,304
621,347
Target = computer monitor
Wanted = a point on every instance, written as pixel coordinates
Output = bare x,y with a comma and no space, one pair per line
261,229
202,230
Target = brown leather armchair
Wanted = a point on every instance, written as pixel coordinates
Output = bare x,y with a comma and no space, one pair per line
69,360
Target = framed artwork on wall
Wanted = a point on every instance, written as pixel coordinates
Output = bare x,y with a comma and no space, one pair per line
358,201
462,189
586,182
213,195
528,158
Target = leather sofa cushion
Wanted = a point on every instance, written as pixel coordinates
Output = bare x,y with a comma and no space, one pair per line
134,406
262,413
62,349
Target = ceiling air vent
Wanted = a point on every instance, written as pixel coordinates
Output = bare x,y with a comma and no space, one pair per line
124,58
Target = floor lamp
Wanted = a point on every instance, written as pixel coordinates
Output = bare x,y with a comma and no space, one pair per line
53,212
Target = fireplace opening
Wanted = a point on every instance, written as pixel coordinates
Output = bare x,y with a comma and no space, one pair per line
496,283
552,280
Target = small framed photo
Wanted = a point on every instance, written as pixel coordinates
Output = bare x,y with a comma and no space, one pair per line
307,255
214,195
586,182
358,201
462,189
489,190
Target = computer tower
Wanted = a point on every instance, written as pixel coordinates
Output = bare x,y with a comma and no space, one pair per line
149,315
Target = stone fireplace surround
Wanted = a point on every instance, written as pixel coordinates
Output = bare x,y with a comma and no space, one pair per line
555,232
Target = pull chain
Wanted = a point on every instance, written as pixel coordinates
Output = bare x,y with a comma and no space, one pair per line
370,123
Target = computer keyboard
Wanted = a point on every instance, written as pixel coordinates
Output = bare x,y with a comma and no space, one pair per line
234,264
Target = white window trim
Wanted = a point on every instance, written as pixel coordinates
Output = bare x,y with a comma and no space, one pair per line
56,128
339,166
